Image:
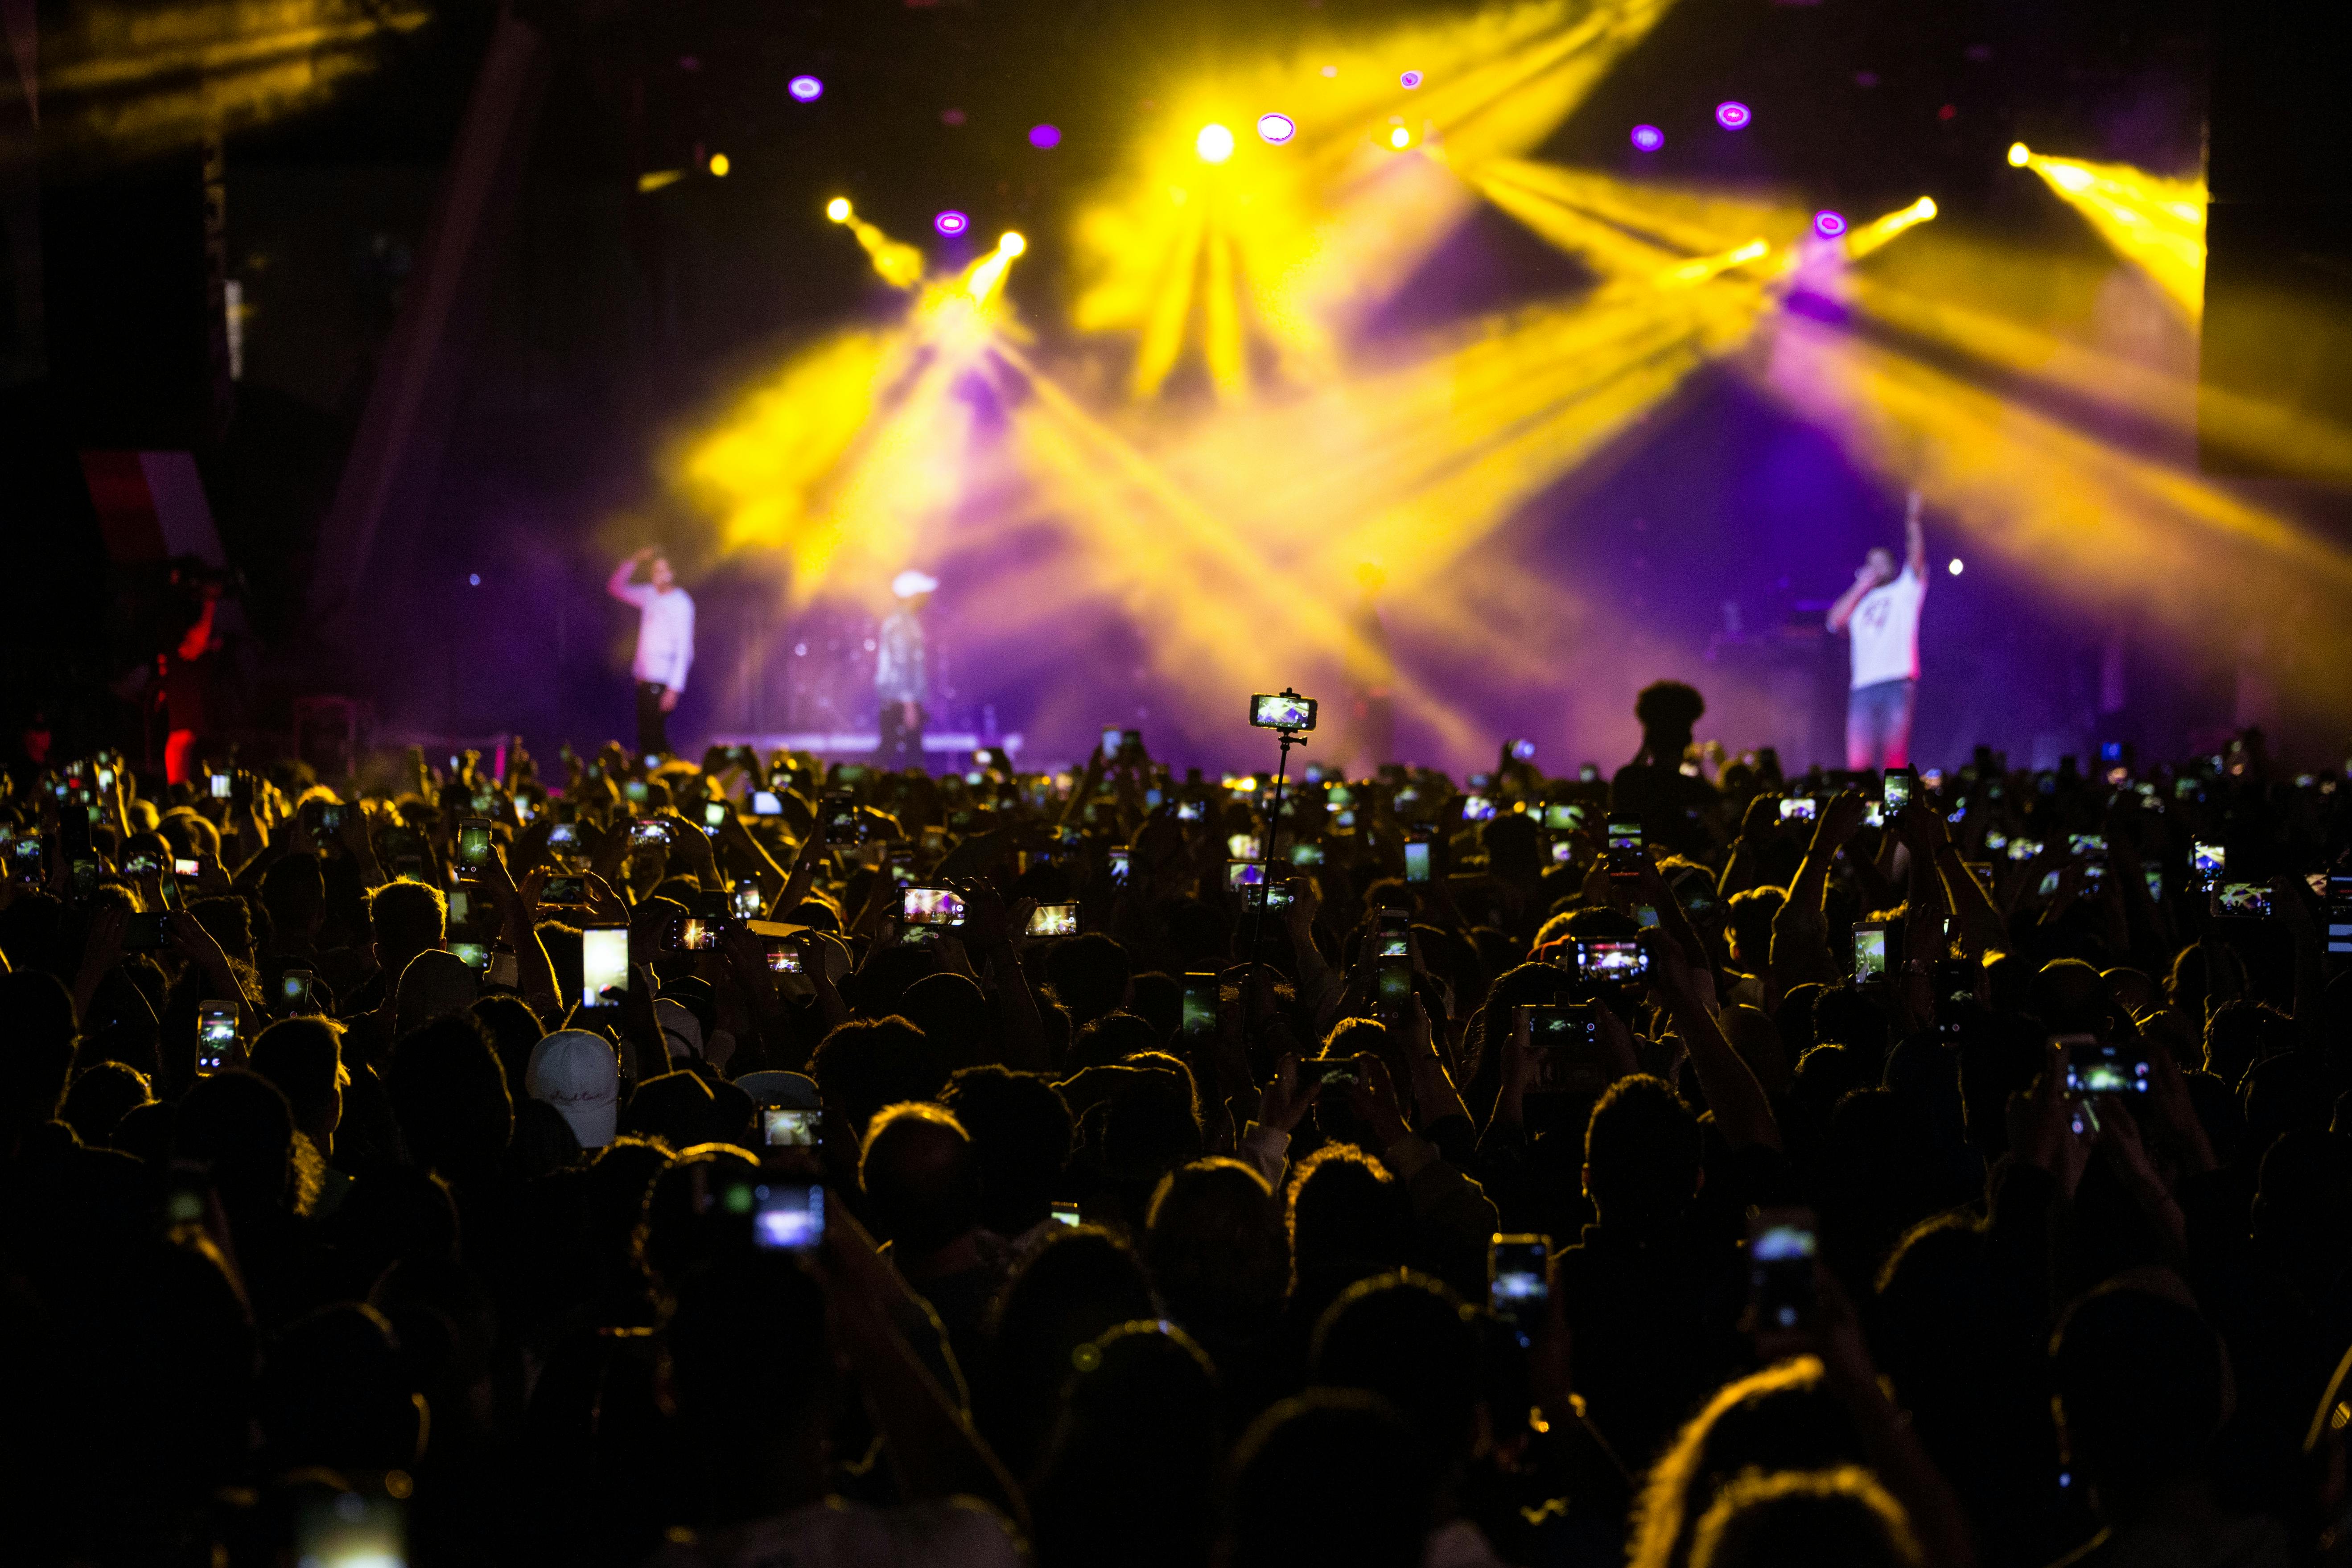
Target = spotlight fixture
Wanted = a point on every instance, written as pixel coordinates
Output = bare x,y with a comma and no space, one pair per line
1044,136
2019,155
1410,80
1733,115
1214,143
720,163
837,209
1400,138
951,223
1648,138
1275,129
806,89
1955,567
1829,224
1011,243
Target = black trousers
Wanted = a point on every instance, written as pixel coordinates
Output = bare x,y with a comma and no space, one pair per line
902,744
653,724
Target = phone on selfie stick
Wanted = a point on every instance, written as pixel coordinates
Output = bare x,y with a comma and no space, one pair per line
1290,717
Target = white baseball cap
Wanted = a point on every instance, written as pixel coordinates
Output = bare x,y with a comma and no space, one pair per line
578,1073
910,582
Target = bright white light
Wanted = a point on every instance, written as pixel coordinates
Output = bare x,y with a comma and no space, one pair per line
1400,139
1955,567
1275,128
837,209
1012,243
2019,155
1214,143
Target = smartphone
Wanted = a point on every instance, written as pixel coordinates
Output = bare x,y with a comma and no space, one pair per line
1625,834
645,830
789,1215
1477,808
475,955
24,857
1393,984
183,868
842,823
1113,738
1240,846
1611,959
143,932
634,791
1331,1072
473,844
1199,1003
1799,809
603,964
1518,1282
215,1035
1869,940
1066,1213
1563,851
2096,1066
1054,920
1561,816
784,1129
2241,902
2339,914
2091,847
715,813
1781,1245
785,960
1954,984
1191,810
1243,875
766,803
222,785
931,906
294,991
564,891
1416,862
1895,793
694,933
2024,848
1287,712
745,902
2208,861
1564,1046
1121,861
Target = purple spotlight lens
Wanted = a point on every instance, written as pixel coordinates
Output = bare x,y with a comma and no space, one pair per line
1648,138
1275,129
1410,80
806,88
951,223
1042,136
1733,115
1829,224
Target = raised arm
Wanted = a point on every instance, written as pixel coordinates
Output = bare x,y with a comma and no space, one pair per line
617,584
1915,537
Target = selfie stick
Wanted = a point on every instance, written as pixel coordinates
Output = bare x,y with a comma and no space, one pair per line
1288,738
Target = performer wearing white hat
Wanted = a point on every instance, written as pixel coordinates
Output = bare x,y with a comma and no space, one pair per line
899,680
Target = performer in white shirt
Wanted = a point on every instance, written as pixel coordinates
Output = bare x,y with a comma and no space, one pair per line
664,642
1881,613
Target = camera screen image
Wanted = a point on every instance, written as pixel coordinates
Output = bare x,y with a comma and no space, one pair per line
1416,862
1897,792
1624,834
1282,712
1240,874
785,960
2243,899
216,1036
1054,920
766,803
2094,1066
696,934
784,1129
2024,848
790,1216
2209,860
931,906
1477,808
604,962
1870,955
1781,1271
1561,816
1798,808
474,955
1517,1288
1611,958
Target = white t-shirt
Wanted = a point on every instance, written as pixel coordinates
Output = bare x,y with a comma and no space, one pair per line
665,633
962,1533
1886,631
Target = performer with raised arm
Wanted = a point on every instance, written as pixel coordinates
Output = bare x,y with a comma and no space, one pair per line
664,642
1881,613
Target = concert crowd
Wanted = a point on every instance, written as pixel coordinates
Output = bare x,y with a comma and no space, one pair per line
759,1162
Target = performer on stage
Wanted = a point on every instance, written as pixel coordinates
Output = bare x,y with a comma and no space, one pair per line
900,681
1881,609
664,642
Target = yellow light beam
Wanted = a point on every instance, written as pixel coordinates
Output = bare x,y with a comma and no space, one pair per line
2150,220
